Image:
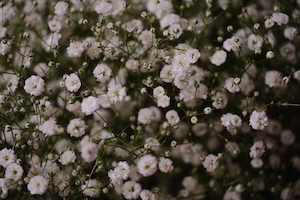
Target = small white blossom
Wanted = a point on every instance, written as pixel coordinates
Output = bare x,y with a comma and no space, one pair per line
131,190
89,105
257,149
49,127
102,73
147,195
54,25
34,85
218,58
72,82
210,163
273,78
147,165
37,185
104,8
280,18
76,127
7,156
67,157
13,171
258,120
75,49
172,117
165,165
91,188
163,101
61,8
116,93
89,151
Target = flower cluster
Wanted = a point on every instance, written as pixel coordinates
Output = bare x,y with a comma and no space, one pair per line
149,99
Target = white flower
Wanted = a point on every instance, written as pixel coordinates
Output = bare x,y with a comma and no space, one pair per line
75,49
147,38
280,18
37,185
72,82
102,73
131,190
76,127
34,85
147,165
273,78
61,8
175,30
122,170
256,162
89,105
163,101
232,85
180,64
51,41
132,64
192,55
290,33
11,80
189,183
165,165
3,188
94,51
218,58
258,120
147,195
14,171
270,55
49,127
91,188
4,47
172,117
210,163
104,8
254,42
220,100
89,151
232,44
149,115
269,23
67,157
134,25
167,74
41,69
257,149
116,93
159,91
54,25
7,156
152,143
2,32
287,137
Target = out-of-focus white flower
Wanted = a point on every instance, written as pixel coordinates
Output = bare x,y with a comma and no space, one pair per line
13,171
165,165
54,25
4,189
89,105
75,49
67,157
255,42
116,93
104,8
280,18
49,127
89,151
273,78
287,137
218,58
91,188
61,8
147,165
147,195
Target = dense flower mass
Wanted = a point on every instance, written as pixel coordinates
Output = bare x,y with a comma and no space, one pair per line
149,99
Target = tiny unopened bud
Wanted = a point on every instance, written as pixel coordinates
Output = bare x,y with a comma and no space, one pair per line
270,55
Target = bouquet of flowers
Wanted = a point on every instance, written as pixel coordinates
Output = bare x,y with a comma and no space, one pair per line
149,99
